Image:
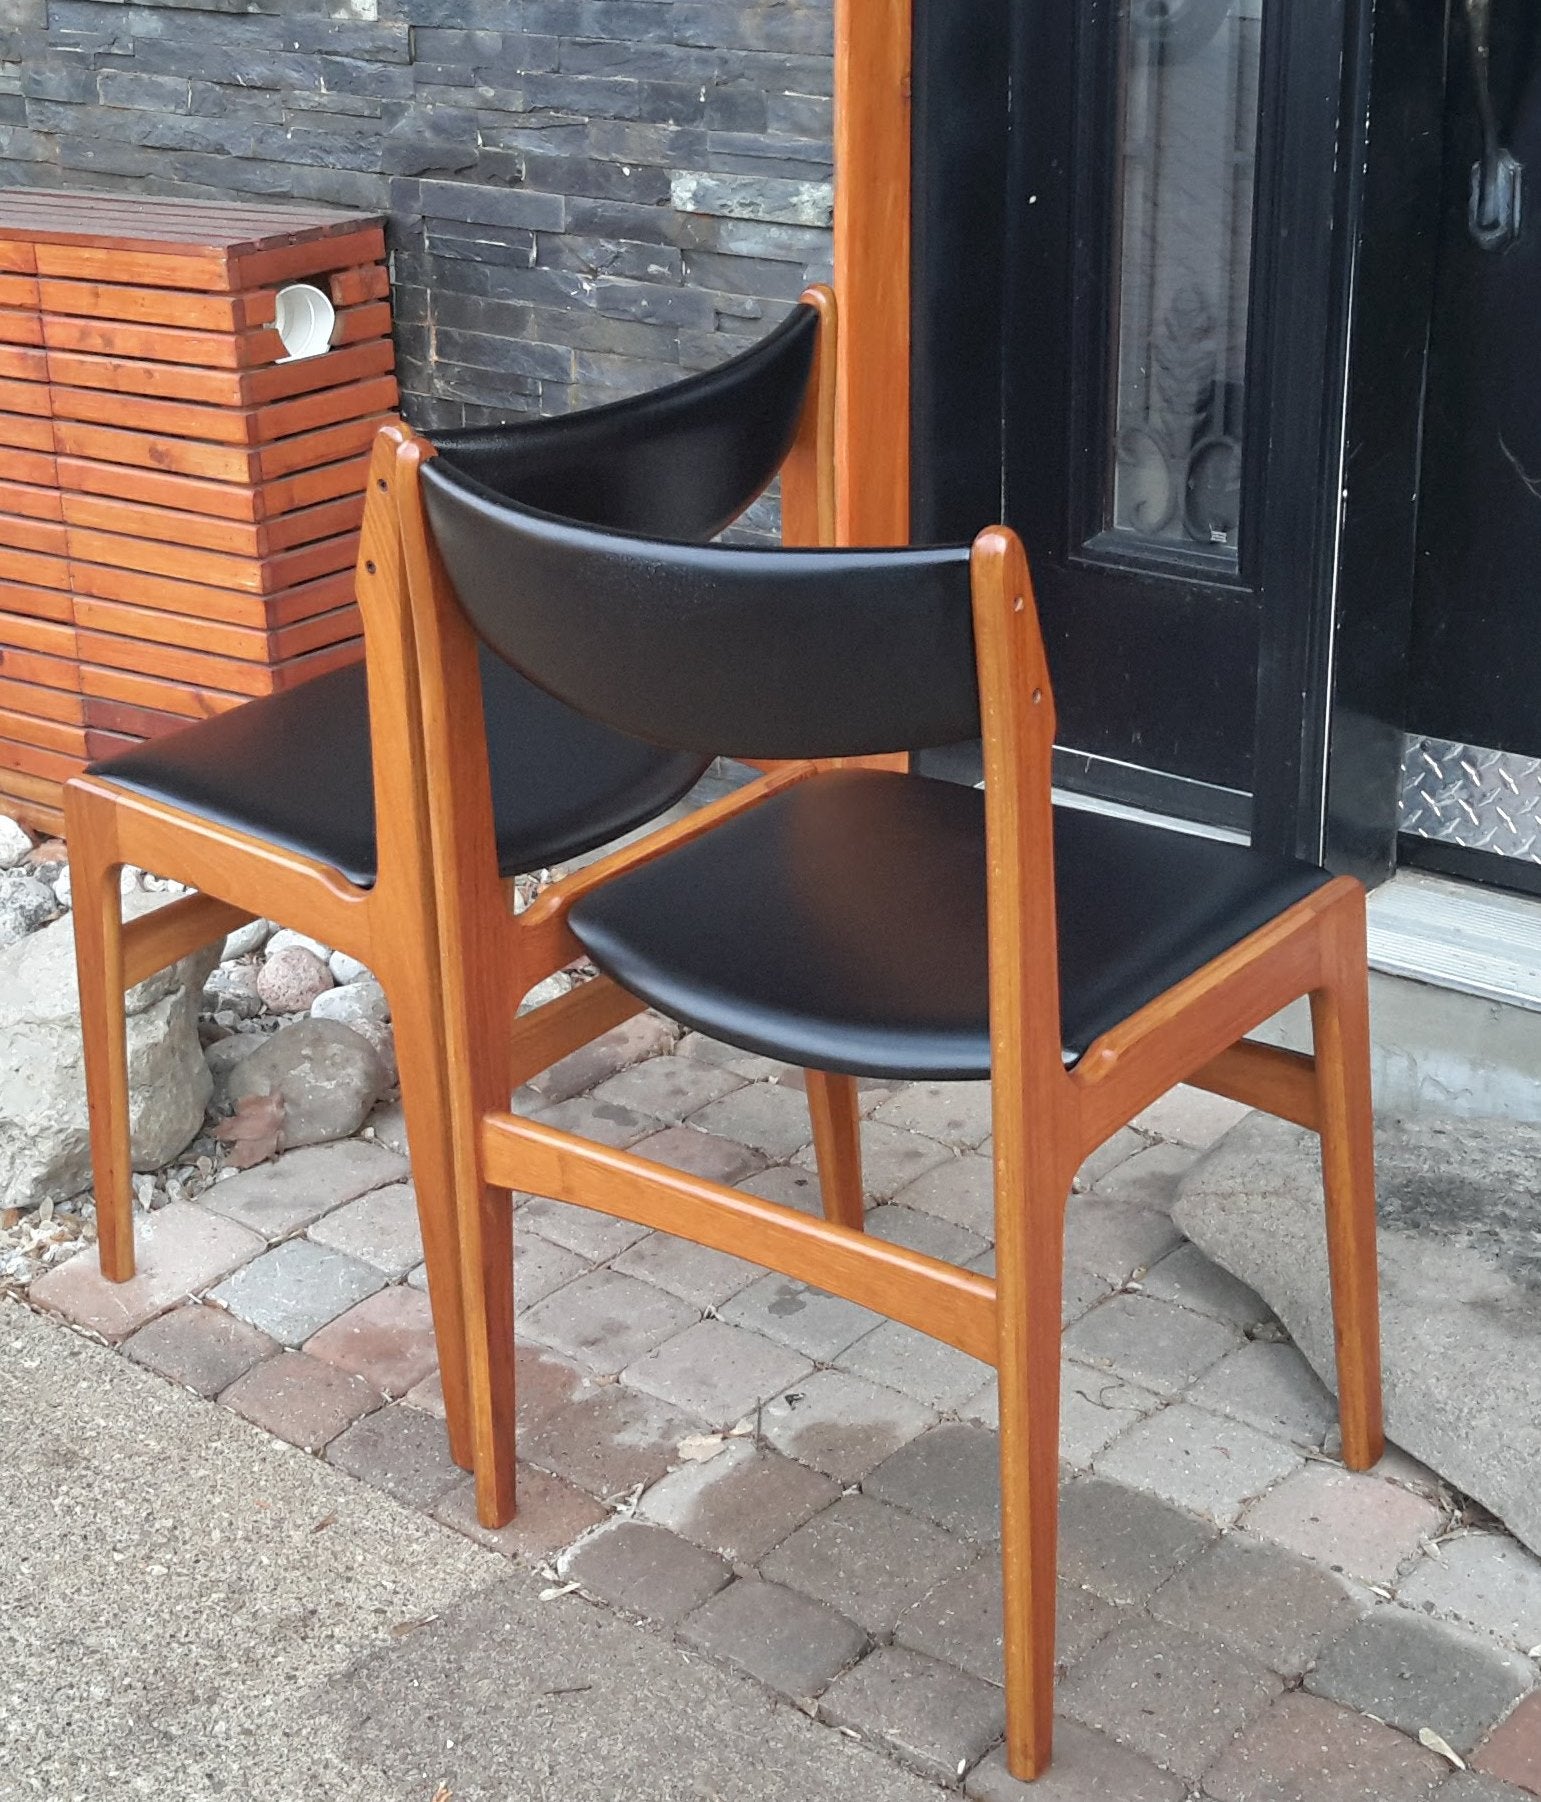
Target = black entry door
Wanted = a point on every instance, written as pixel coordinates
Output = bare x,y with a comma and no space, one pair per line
1169,183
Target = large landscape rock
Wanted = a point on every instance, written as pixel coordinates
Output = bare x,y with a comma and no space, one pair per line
45,1150
1460,1262
327,1076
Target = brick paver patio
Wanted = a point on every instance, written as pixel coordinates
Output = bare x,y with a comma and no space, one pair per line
799,1490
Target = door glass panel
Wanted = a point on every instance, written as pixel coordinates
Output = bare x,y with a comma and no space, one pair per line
1185,160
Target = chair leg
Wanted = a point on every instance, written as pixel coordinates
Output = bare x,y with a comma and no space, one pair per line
1340,1021
837,1143
1028,1281
97,912
487,1267
425,1105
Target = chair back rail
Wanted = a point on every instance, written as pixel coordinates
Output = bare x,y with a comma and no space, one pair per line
714,648
679,462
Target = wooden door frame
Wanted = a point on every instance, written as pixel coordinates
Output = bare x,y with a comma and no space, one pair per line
873,40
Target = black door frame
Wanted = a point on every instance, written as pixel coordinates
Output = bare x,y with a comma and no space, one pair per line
1353,92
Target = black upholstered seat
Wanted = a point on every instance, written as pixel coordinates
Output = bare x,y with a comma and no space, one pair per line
294,769
841,925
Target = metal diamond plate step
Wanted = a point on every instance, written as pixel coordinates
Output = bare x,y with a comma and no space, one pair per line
1467,795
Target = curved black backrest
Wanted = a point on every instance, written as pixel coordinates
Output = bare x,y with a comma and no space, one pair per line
709,648
681,462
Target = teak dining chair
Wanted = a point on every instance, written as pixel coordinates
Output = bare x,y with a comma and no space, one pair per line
872,923
309,806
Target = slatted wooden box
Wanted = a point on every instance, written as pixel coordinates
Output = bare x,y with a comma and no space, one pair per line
179,500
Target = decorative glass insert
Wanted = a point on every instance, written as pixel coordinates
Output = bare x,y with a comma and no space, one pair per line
1185,159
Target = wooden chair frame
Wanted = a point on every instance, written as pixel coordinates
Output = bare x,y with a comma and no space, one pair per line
390,927
1047,1118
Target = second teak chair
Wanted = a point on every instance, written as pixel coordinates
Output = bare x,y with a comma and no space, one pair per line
309,806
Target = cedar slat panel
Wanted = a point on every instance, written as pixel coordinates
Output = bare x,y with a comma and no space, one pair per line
20,325
32,500
187,563
224,499
179,503
221,638
235,538
35,469
37,667
250,466
34,398
219,387
198,602
354,324
24,432
202,669
32,216
35,569
293,263
20,532
24,632
49,735
23,363
35,600
62,704
102,682
33,799
205,270
34,760
101,745
164,343
349,286
137,722
244,426
158,306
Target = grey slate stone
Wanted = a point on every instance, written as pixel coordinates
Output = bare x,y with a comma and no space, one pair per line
1460,1281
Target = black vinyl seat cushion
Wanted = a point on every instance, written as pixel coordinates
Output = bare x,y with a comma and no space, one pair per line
841,924
294,769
